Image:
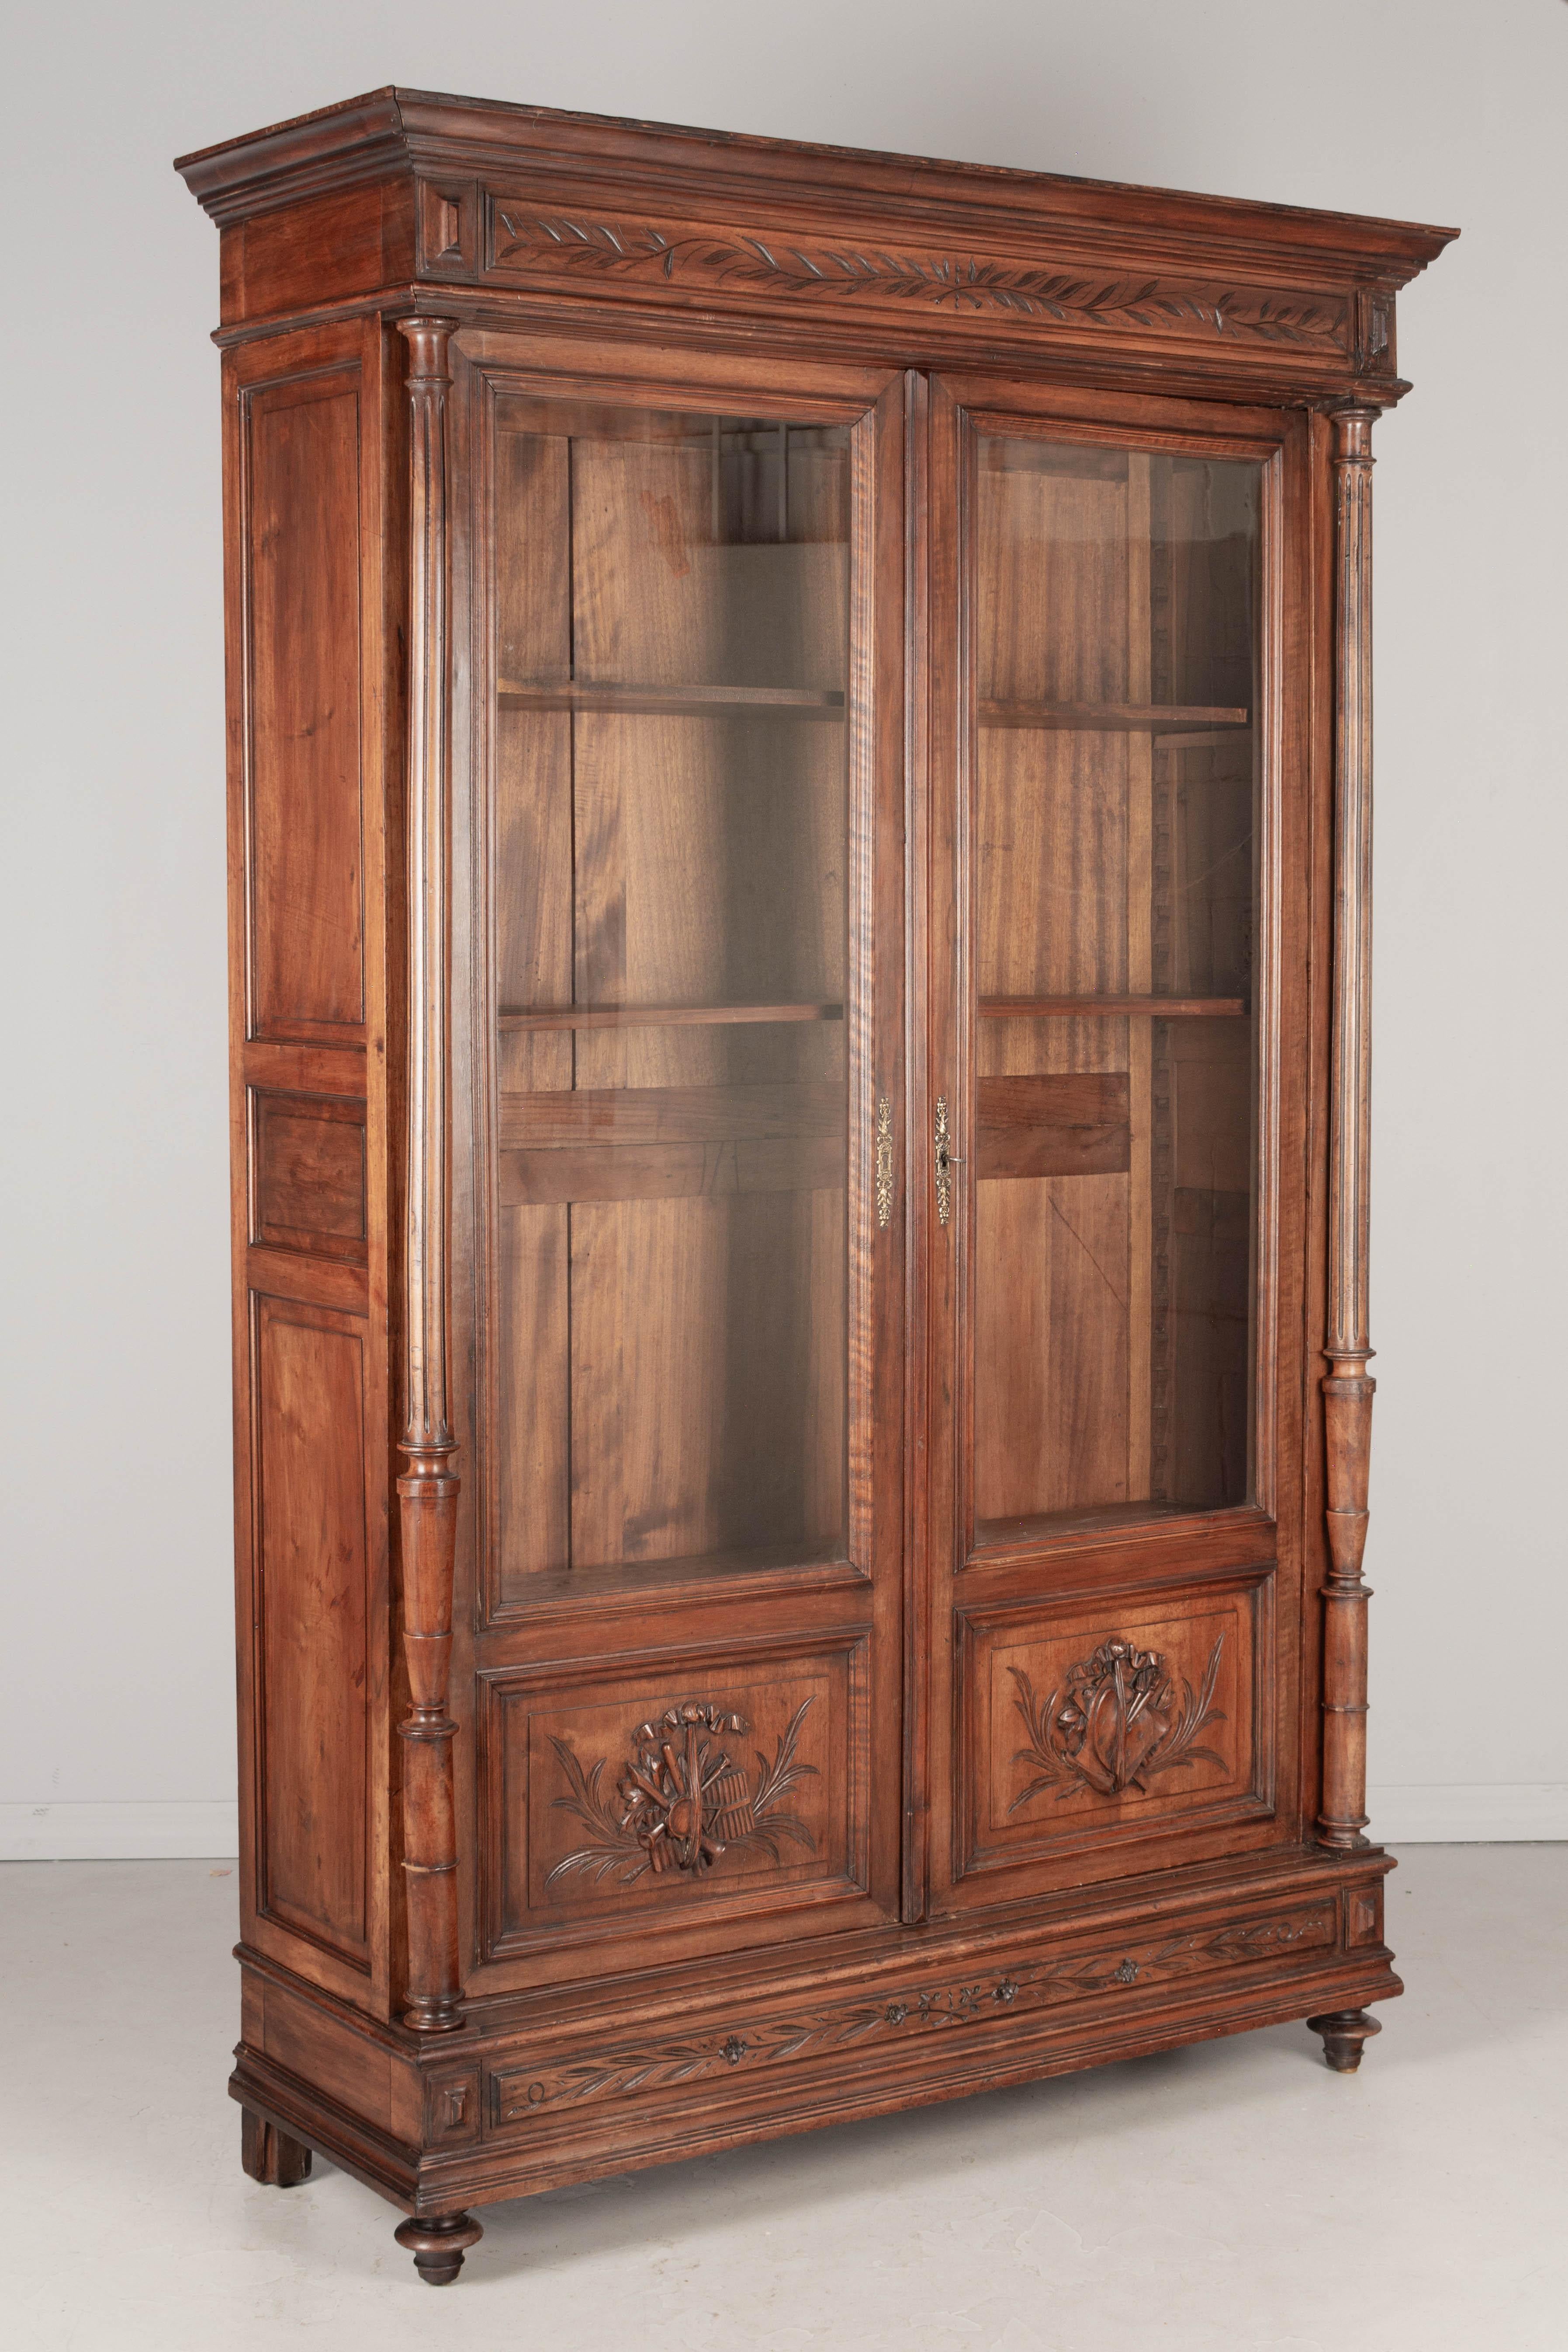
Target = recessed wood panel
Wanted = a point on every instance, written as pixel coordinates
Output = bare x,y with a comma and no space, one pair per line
1052,1254
1071,1123
706,1375
302,527
312,1659
1091,1723
724,1784
307,1180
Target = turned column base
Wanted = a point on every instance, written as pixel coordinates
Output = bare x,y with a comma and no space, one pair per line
1343,2030
437,2243
271,2156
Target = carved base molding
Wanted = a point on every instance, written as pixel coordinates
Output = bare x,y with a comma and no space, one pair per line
922,2006
512,2104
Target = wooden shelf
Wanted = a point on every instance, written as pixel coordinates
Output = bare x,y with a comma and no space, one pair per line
1117,718
810,703
678,701
1158,1008
657,1016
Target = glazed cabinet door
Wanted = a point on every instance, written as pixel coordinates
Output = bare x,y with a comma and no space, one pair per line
1111,1635
686,990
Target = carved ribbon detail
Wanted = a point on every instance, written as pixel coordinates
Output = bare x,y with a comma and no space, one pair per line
1114,1721
682,1803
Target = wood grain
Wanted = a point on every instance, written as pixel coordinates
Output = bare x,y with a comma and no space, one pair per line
686,651
1072,1125
314,1648
308,1174
1347,1389
301,497
427,1491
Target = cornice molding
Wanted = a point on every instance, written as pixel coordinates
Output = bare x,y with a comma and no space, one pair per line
390,131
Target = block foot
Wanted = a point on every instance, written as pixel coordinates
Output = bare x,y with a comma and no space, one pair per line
271,2156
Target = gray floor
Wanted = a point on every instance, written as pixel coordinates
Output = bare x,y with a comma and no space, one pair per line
1236,2197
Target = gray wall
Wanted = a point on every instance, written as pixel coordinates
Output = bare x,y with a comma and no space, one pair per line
116,1733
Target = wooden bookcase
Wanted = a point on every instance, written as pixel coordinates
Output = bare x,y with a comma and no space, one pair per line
799,783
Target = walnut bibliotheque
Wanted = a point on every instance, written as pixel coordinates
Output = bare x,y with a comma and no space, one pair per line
800,792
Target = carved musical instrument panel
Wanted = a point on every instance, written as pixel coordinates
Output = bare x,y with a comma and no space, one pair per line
1088,1726
665,1791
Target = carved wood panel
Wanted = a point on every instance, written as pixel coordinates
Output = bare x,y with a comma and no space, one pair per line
777,268
992,1993
1094,1722
621,1799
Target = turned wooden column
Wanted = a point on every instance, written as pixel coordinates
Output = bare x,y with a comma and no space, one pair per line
1347,1389
427,1492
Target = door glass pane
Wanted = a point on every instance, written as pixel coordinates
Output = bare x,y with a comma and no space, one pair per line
1115,787
672,656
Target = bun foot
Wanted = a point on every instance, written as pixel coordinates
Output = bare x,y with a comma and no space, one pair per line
271,2156
1343,2032
437,2243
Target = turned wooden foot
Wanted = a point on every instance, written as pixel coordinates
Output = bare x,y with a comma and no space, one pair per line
437,2243
1343,2032
269,2154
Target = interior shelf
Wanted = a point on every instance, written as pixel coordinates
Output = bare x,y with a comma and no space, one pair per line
678,701
656,1016
809,703
1159,1008
1117,718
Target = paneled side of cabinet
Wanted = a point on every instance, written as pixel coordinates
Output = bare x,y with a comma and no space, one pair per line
313,470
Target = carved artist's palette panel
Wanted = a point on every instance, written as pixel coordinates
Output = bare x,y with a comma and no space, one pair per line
1113,1718
700,1784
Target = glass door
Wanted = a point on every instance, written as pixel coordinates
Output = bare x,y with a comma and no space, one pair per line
689,1662
1112,1105
1099,1048
672,871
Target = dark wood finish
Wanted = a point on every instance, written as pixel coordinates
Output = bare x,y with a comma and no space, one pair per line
799,750
438,2243
1346,2033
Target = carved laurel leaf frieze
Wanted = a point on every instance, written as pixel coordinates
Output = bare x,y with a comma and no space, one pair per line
682,1801
742,262
620,2072
1113,1724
